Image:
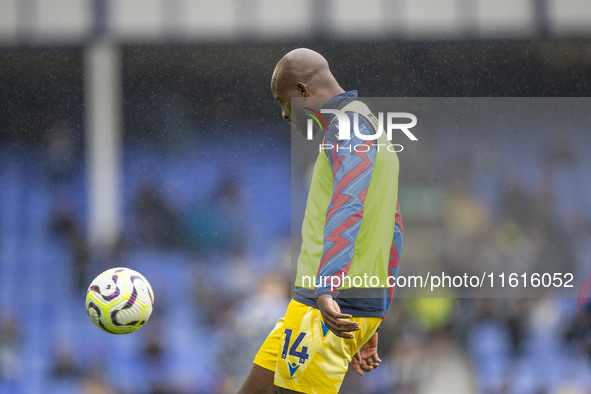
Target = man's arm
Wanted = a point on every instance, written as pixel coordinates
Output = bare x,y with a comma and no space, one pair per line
352,163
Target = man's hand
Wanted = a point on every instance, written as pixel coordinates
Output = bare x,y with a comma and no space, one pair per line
334,319
367,358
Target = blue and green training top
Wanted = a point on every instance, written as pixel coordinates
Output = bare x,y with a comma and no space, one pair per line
352,225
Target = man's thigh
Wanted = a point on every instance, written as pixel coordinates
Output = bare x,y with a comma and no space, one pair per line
258,381
310,358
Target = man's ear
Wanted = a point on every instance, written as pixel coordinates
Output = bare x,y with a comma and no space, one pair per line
302,89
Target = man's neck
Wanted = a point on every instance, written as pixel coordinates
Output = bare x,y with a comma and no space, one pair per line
326,96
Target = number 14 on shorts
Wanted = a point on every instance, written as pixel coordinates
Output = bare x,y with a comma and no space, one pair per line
293,349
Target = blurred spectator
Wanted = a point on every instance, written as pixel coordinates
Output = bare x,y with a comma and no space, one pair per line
219,224
153,352
154,224
579,331
431,315
61,150
466,217
517,206
250,322
96,384
408,360
489,345
65,364
65,226
10,346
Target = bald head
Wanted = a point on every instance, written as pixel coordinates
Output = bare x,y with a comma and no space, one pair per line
303,73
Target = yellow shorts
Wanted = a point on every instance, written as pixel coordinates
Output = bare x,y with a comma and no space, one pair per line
305,355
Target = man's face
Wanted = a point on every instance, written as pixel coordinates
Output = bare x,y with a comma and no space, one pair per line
284,88
283,94
283,97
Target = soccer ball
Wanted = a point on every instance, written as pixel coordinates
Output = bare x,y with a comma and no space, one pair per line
119,300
